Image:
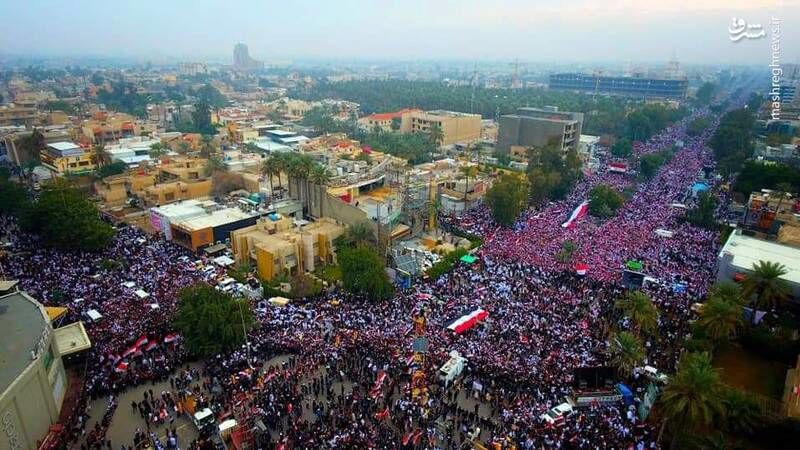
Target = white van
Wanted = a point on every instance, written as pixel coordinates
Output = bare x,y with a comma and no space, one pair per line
557,413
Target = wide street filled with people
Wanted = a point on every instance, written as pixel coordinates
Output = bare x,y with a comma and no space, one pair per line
345,379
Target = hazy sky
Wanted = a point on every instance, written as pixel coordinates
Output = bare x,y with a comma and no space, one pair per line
694,31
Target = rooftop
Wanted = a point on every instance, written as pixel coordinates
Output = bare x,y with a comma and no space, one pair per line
747,250
22,321
214,219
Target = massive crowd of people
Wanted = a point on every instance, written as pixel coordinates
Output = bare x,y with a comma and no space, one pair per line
544,321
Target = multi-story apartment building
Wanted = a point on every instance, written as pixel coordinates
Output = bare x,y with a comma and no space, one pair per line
62,158
635,86
275,246
18,115
455,126
535,127
105,128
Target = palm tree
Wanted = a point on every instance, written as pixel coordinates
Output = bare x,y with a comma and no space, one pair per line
743,414
320,177
763,287
215,164
640,309
280,166
270,168
728,291
99,155
357,234
207,147
692,397
626,352
784,190
720,319
436,135
468,172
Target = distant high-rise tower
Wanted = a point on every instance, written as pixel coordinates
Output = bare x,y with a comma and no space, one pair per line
242,59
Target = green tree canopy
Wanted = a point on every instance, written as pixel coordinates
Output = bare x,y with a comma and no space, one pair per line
364,272
212,321
650,164
720,319
622,148
638,307
692,398
507,198
732,142
63,217
604,201
764,285
702,215
626,352
705,93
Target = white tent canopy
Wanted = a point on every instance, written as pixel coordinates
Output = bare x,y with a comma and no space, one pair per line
94,315
141,294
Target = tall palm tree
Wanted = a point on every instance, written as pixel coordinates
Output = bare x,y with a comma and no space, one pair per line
280,166
692,397
638,307
99,155
435,134
742,414
626,352
763,287
320,177
357,234
305,165
207,146
784,190
270,169
468,172
720,319
728,291
215,164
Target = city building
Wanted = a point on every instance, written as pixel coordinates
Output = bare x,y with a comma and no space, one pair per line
33,382
213,226
455,126
106,127
19,154
238,161
384,121
277,245
635,86
192,68
538,127
66,157
131,151
242,60
744,248
182,169
115,190
18,115
173,191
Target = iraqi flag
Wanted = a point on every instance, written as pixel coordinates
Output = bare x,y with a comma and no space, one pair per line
121,367
151,345
619,167
467,321
382,414
581,269
579,212
172,337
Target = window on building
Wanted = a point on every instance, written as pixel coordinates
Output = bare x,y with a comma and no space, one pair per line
169,196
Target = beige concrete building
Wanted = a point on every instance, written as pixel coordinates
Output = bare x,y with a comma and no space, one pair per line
105,127
18,115
455,126
278,247
183,169
32,378
169,192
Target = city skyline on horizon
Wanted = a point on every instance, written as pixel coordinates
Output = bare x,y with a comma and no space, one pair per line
642,32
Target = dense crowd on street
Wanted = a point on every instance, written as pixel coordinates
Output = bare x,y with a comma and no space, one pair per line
343,380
